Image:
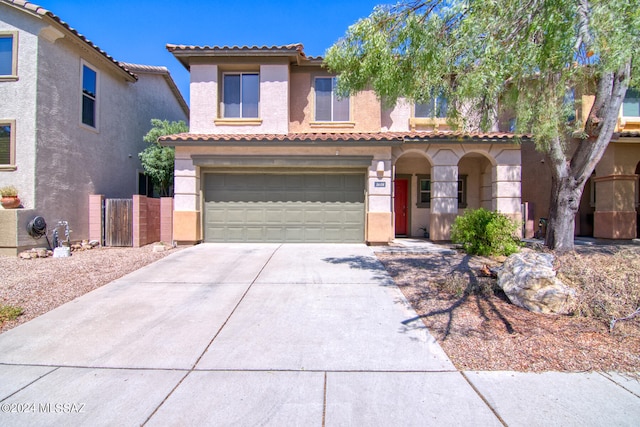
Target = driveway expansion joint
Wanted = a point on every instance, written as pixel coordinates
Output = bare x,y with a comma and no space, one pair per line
483,398
212,339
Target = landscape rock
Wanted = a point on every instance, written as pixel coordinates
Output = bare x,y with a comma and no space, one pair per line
35,253
530,282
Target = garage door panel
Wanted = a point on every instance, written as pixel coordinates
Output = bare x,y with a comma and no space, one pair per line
294,216
294,234
284,208
254,216
313,217
274,215
235,234
253,233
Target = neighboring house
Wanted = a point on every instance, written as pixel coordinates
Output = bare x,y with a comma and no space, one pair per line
610,205
273,155
72,121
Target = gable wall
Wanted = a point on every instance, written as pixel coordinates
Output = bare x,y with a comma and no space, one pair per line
18,101
74,161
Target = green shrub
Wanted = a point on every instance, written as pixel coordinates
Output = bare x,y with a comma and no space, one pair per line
483,232
9,312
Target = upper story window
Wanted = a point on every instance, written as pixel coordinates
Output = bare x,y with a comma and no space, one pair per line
89,96
240,95
8,55
435,108
329,106
631,103
7,143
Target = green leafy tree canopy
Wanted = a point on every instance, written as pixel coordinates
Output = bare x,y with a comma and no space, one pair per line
158,161
529,55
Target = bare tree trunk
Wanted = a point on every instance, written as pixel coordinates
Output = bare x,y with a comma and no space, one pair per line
565,202
570,172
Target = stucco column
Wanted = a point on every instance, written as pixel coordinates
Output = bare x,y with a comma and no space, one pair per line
186,220
615,215
507,191
486,189
379,228
444,201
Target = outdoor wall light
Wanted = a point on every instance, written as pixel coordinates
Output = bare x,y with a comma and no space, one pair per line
380,169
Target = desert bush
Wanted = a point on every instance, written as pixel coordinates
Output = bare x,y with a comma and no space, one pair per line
483,232
9,312
608,284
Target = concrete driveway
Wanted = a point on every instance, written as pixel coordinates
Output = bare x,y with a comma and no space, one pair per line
240,335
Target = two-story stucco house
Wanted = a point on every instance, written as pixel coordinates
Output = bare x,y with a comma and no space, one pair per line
71,120
274,155
610,205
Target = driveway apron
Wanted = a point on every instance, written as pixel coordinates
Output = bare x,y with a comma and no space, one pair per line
244,334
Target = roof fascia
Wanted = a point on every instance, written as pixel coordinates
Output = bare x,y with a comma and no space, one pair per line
258,143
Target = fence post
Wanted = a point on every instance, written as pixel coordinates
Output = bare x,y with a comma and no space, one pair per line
139,220
166,219
96,217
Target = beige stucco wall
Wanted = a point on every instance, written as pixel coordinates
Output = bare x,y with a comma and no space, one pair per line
73,160
365,108
273,106
188,185
396,118
612,195
493,181
18,102
59,162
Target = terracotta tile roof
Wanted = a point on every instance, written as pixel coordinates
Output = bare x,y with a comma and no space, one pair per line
397,137
163,71
630,134
296,48
184,52
34,8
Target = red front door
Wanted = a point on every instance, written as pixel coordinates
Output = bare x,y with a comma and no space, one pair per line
401,187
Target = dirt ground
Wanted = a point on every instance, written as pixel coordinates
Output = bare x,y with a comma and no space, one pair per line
42,284
480,329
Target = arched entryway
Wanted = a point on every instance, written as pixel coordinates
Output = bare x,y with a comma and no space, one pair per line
474,182
412,194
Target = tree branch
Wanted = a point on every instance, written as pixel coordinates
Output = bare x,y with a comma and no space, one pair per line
584,36
629,317
602,121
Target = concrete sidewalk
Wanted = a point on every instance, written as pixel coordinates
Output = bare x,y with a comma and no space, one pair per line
268,334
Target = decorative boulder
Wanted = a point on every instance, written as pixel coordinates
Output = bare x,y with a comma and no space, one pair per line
530,282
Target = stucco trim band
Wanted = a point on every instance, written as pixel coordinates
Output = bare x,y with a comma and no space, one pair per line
282,161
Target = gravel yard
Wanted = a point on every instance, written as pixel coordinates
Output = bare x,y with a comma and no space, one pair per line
42,284
480,329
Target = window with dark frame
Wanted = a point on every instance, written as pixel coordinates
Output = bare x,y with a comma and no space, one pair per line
6,144
329,106
7,55
436,107
89,96
424,191
240,95
631,103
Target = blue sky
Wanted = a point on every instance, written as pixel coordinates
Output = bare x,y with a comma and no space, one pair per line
137,31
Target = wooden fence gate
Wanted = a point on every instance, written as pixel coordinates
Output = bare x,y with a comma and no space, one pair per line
118,222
